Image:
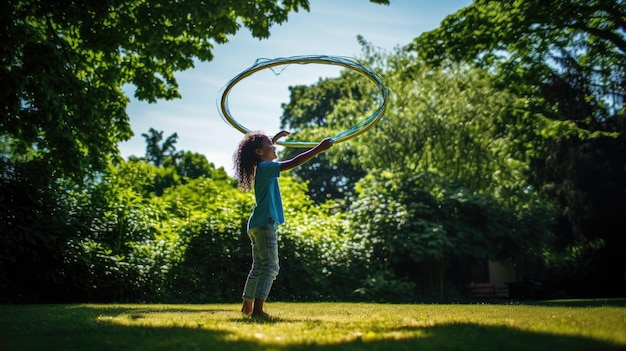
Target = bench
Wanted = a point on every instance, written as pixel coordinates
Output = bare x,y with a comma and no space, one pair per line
481,290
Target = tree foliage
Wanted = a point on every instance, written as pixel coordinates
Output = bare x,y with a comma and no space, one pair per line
322,109
445,171
34,229
519,105
453,121
64,64
158,149
408,221
567,58
540,42
75,225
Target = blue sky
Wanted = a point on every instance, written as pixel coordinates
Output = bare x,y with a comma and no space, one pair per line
330,28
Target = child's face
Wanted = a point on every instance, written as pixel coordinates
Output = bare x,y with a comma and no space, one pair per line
267,151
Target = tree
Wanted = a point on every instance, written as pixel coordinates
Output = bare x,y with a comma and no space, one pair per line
321,110
567,59
35,226
63,66
445,177
549,37
450,121
417,225
157,151
64,63
191,165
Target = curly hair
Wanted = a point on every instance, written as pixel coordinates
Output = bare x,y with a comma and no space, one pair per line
245,159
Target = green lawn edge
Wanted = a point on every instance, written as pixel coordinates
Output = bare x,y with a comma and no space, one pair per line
590,324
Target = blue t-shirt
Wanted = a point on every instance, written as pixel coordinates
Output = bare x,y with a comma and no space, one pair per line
269,203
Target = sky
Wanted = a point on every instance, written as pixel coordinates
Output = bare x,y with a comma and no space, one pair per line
330,28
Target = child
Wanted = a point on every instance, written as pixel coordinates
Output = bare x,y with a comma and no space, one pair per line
254,164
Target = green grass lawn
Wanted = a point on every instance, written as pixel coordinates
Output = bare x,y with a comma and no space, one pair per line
548,325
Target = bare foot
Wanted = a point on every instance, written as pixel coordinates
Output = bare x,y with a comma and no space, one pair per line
247,308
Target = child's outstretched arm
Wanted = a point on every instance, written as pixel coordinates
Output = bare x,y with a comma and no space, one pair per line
307,155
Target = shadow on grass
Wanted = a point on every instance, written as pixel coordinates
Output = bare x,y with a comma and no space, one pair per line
469,337
93,328
612,302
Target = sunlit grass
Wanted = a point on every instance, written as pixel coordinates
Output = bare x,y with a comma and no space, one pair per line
573,325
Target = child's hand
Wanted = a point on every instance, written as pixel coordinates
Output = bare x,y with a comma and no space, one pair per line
282,133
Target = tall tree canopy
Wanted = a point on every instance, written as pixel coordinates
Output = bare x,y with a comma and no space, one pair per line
64,63
567,59
543,43
158,149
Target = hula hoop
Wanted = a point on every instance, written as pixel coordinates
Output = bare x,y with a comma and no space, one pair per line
349,63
